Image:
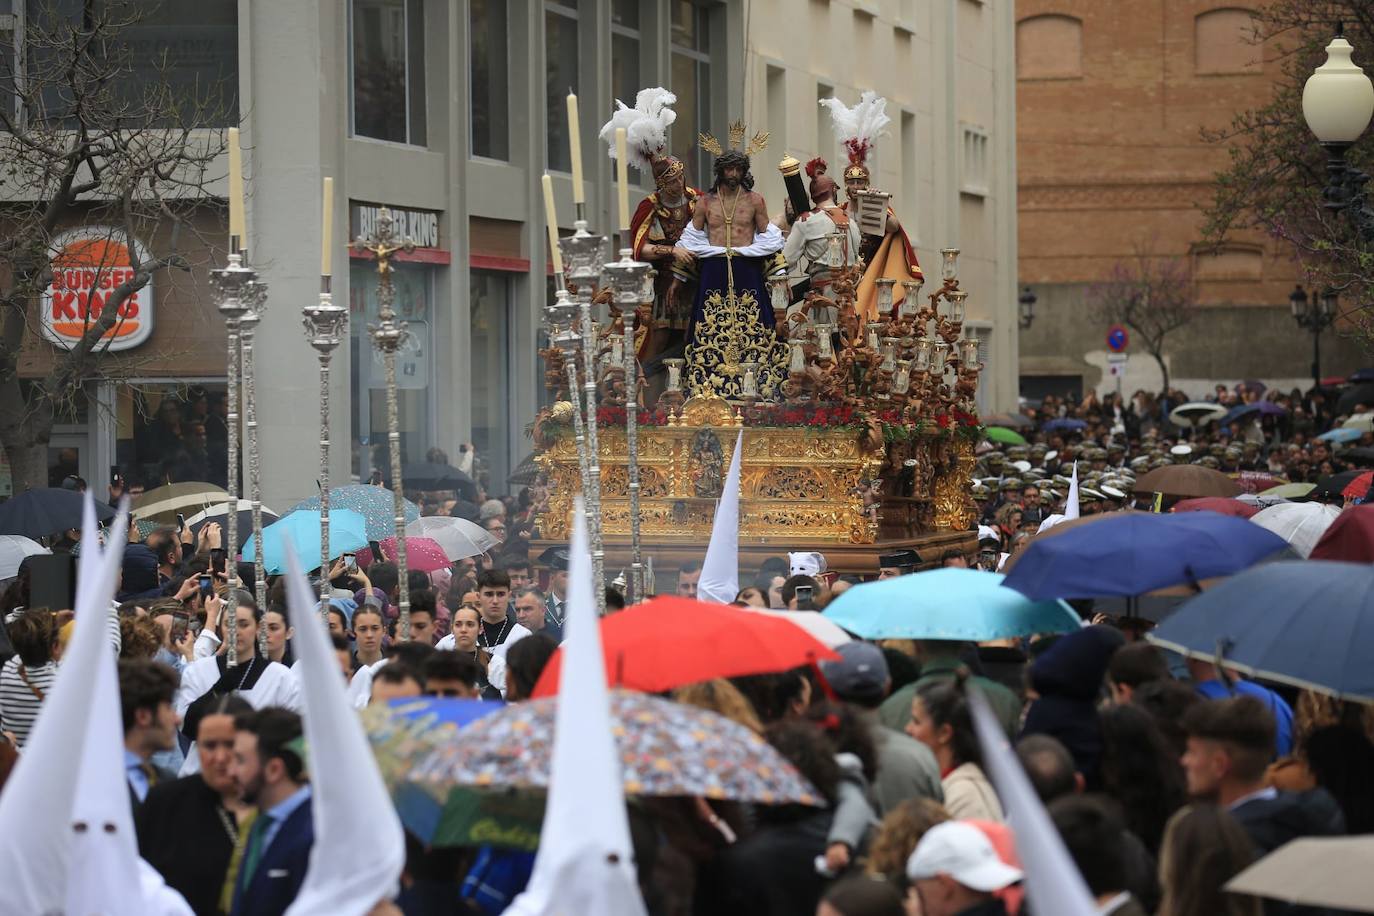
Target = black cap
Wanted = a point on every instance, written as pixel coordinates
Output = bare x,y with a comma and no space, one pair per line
898,559
555,558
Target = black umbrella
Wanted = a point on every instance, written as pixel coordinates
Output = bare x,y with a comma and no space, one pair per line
45,511
244,520
1360,394
1330,487
431,475
1360,455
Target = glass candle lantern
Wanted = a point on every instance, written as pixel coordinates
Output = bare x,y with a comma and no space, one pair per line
873,328
750,385
923,348
889,363
901,384
885,295
949,263
968,352
823,347
938,355
797,363
777,293
674,373
911,299
956,305
617,351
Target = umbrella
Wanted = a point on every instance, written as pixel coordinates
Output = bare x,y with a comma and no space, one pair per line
408,729
1362,375
244,521
1361,455
1186,480
1333,485
666,748
46,510
1289,490
1255,481
1010,420
954,604
422,554
525,473
432,475
374,504
454,535
1350,537
1354,397
1314,871
1358,486
667,642
1003,435
163,503
825,632
1341,434
1360,422
1196,413
1216,504
1263,408
1297,622
1064,424
1300,524
13,549
301,529
1135,553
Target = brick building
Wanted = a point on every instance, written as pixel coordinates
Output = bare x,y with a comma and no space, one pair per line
1111,100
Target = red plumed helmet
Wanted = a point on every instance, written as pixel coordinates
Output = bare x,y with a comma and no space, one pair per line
816,167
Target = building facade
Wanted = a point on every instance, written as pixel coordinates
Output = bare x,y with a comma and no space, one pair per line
1111,102
450,113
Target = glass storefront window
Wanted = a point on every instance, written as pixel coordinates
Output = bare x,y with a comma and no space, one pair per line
625,50
492,412
166,432
487,39
414,286
388,64
690,82
560,58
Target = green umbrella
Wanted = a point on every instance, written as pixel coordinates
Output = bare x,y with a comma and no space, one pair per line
1289,490
1003,435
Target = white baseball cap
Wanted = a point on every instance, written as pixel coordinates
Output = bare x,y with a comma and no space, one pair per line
962,851
806,564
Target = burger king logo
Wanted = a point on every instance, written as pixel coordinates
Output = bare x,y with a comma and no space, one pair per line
88,265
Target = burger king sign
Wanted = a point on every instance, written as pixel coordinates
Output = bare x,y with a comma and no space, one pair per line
88,265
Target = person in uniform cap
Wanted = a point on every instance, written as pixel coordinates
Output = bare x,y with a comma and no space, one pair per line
897,563
980,492
555,560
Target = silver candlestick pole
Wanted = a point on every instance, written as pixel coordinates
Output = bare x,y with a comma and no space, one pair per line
230,285
387,335
325,326
255,297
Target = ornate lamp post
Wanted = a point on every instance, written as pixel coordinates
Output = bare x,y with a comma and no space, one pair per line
255,297
1337,103
1025,307
387,336
1314,313
325,326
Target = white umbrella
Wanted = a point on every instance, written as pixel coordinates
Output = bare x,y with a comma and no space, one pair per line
1196,413
453,535
1259,499
821,628
1300,524
13,549
1315,871
1364,422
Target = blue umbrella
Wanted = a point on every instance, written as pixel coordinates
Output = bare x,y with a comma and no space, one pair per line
1135,553
1263,408
955,604
1065,424
301,529
1307,623
374,504
1341,434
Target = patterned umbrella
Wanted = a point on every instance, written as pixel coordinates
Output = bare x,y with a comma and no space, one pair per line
163,503
422,554
374,504
13,549
454,535
665,748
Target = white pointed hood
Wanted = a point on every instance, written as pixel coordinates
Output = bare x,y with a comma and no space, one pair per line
720,571
1071,503
350,805
585,859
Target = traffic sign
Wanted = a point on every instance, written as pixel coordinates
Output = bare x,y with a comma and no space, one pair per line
1117,338
1116,364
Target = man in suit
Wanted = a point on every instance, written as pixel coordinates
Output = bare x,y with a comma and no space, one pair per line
146,691
556,560
269,769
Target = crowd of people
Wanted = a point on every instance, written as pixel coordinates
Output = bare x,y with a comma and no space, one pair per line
1164,776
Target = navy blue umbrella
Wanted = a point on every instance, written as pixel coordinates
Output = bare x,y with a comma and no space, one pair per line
1307,623
1135,553
1263,408
1064,423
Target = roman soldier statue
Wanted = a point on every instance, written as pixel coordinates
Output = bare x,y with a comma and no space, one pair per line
808,248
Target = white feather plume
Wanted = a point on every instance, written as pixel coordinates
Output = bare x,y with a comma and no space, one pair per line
859,126
646,126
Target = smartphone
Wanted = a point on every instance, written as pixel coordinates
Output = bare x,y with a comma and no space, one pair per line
804,597
217,560
180,625
114,475
207,586
376,548
351,562
181,522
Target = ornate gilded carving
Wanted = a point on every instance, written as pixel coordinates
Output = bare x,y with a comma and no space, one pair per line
729,334
952,502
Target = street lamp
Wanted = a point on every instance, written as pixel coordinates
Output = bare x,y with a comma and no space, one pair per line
1314,313
1026,307
1337,103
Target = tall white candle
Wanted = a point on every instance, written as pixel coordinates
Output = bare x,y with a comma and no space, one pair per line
575,140
622,168
236,217
327,228
551,217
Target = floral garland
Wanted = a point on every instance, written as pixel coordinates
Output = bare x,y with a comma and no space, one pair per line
956,423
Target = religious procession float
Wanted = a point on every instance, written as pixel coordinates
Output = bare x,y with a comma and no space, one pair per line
813,334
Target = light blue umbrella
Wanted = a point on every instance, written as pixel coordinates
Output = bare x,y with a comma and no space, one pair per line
1341,434
301,529
374,504
954,604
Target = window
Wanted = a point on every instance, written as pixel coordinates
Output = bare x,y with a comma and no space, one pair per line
9,27
492,412
1049,48
560,69
909,152
973,174
777,102
168,431
414,285
691,83
388,63
1226,42
625,50
487,51
826,143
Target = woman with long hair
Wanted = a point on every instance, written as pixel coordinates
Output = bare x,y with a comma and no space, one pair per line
1139,769
940,719
467,626
1204,848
